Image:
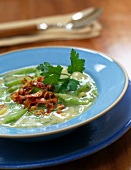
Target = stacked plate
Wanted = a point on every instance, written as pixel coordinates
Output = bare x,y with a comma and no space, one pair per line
103,123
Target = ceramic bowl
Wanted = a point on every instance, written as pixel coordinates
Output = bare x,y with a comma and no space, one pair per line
110,77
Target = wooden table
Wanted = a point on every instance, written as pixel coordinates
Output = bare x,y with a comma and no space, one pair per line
115,41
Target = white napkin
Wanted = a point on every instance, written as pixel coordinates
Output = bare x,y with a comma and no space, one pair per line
51,34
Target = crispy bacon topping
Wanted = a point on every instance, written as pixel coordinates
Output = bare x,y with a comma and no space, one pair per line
34,93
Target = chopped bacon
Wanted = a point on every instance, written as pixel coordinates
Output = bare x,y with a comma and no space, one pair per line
44,96
41,85
34,95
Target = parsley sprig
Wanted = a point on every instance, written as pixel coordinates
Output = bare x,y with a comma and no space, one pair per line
52,74
76,63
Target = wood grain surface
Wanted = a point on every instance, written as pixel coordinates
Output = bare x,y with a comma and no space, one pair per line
115,41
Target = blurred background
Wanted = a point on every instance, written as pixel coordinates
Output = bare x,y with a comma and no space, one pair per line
115,20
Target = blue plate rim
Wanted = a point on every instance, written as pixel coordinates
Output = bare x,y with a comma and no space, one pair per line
78,154
81,123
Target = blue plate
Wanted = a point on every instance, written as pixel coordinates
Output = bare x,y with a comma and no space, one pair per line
81,142
110,77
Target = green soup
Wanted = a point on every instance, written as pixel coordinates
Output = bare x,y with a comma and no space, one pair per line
17,115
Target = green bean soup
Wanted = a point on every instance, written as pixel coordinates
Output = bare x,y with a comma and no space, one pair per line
11,112
46,94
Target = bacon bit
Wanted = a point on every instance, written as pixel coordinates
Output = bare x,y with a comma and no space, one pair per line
24,80
34,95
40,101
2,106
21,91
41,85
33,107
49,105
50,87
44,96
27,90
37,113
60,107
28,103
40,79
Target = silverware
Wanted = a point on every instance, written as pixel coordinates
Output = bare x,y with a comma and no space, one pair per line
78,21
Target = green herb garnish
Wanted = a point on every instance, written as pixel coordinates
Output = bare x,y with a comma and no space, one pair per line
52,74
76,63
